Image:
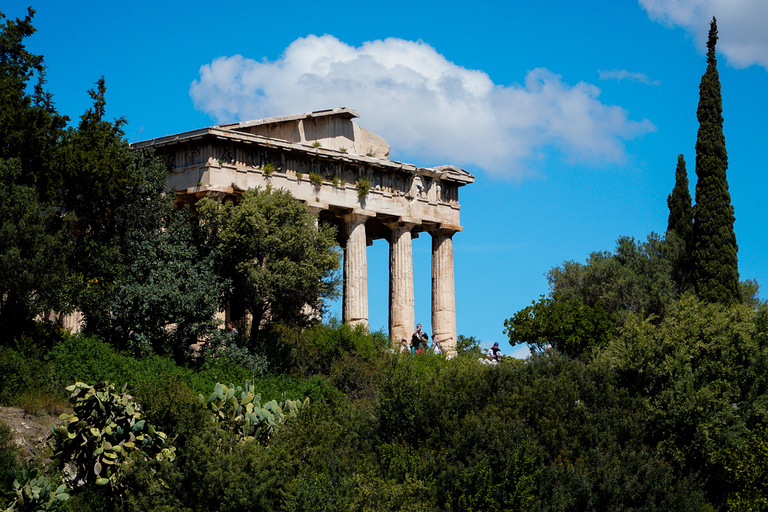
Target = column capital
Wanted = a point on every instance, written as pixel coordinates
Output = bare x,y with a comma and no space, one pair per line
401,223
444,231
358,214
316,208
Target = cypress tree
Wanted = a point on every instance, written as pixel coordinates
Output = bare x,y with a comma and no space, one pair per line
680,226
715,271
679,202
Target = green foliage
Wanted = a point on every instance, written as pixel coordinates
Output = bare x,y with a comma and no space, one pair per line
278,260
679,203
702,376
8,453
167,297
571,327
268,168
336,458
170,405
469,345
32,263
240,411
748,465
315,178
315,349
506,437
103,434
680,227
30,128
349,356
616,478
637,278
88,359
33,493
17,375
363,186
714,260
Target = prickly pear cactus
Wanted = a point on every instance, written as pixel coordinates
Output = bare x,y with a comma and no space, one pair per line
241,411
34,493
105,429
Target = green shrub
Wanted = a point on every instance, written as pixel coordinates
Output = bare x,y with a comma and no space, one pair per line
17,374
314,350
617,478
170,405
317,389
79,358
9,456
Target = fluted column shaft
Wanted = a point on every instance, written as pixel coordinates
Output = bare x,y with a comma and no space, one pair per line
355,307
401,311
443,293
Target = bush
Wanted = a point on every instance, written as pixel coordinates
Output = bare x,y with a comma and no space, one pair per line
17,375
314,350
9,456
25,366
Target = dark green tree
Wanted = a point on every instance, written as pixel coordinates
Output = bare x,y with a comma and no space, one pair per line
281,264
30,128
32,260
715,270
107,195
573,328
167,296
679,202
32,246
680,226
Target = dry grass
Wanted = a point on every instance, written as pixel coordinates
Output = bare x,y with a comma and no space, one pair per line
36,403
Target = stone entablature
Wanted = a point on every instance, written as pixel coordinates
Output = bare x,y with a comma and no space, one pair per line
319,157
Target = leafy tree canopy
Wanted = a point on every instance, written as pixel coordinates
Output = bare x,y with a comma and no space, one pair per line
569,326
280,262
635,278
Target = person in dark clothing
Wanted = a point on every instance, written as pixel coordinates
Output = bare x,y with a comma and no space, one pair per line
419,340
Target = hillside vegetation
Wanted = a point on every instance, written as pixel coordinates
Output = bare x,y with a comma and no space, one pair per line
646,388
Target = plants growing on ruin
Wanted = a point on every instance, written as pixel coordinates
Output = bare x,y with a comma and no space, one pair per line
316,144
315,178
363,185
268,169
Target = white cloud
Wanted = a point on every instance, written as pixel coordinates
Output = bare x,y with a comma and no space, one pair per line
741,25
425,106
620,74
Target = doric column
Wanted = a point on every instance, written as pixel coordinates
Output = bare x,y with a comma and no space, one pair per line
355,307
443,293
401,312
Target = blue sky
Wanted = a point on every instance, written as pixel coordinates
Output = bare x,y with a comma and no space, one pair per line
570,114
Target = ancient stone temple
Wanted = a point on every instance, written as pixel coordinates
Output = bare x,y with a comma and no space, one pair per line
343,173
